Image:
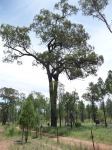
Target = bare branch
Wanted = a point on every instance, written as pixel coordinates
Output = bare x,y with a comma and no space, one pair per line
102,18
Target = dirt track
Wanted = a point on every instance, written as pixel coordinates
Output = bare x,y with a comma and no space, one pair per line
84,143
4,144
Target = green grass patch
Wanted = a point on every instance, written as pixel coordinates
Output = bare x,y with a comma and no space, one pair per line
11,130
101,134
45,144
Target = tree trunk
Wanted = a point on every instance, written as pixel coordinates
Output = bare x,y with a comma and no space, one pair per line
67,115
26,135
60,120
93,111
82,116
59,115
104,112
22,134
4,115
53,85
71,123
37,132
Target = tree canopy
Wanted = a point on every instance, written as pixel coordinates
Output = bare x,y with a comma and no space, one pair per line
96,8
27,116
67,48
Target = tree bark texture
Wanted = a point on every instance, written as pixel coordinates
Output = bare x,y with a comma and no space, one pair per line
53,85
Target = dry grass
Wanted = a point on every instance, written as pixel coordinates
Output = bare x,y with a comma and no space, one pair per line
46,144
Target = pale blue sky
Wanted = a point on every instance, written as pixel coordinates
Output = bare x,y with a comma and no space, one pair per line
21,12
27,78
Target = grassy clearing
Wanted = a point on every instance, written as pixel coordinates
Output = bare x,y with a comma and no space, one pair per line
101,134
45,144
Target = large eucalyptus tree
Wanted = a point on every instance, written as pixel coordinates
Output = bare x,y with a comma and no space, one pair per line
66,50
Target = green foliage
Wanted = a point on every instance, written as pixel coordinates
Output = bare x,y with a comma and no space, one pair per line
62,37
95,8
91,7
92,96
81,110
108,82
77,124
11,130
102,91
67,48
70,101
101,87
41,105
88,111
92,93
109,108
27,116
10,97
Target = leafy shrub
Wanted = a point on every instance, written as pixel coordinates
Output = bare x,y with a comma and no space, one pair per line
11,130
78,124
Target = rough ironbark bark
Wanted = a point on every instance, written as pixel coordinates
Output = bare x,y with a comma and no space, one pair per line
53,85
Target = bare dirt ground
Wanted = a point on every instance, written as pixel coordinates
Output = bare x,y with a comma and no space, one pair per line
84,143
4,144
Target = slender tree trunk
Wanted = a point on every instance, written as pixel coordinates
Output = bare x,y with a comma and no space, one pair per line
4,115
104,112
26,135
71,123
67,115
82,116
22,133
59,115
53,85
92,137
60,120
76,115
93,112
36,132
57,135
